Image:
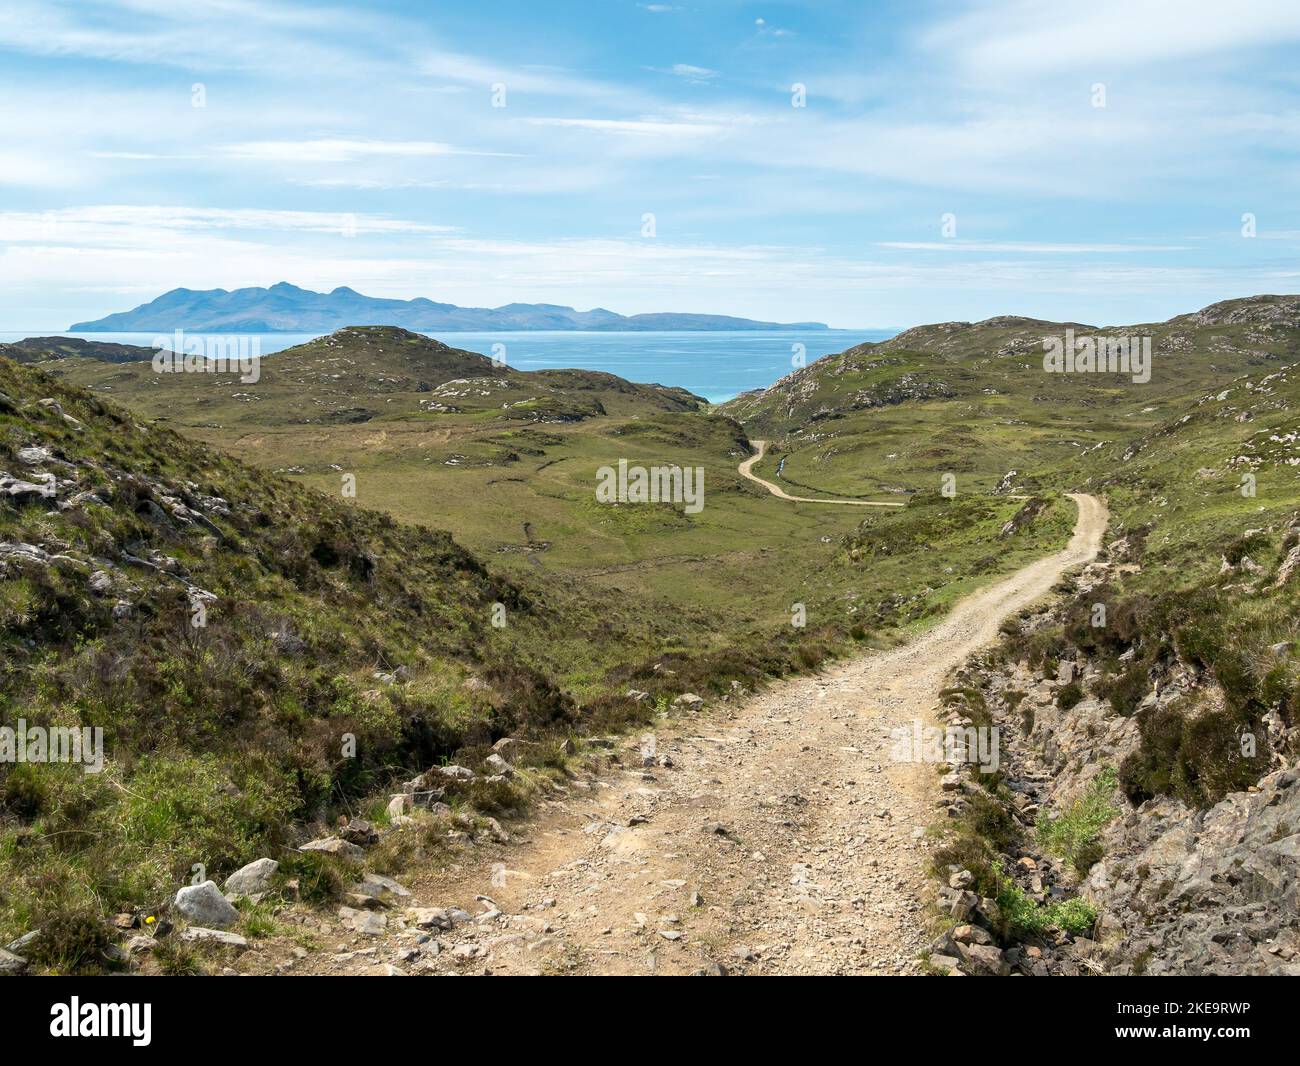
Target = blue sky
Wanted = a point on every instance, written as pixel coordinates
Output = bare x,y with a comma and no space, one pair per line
359,145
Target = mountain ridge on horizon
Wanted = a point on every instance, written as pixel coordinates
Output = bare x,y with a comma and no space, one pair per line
286,308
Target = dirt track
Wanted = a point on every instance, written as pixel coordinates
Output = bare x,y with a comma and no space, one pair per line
784,812
746,467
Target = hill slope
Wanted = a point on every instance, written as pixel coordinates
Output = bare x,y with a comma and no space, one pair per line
40,349
1154,717
1150,724
973,399
360,373
320,623
261,657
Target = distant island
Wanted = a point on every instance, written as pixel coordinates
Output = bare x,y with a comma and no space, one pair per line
285,308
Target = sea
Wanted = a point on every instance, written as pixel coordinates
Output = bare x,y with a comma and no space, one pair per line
715,365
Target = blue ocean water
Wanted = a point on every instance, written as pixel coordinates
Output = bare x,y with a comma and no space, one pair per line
716,366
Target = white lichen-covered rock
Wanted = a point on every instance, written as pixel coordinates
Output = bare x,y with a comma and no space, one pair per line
252,881
206,906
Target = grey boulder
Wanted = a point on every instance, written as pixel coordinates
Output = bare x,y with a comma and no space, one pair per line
335,846
214,936
206,906
252,881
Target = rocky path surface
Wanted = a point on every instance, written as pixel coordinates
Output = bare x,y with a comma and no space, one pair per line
770,835
746,469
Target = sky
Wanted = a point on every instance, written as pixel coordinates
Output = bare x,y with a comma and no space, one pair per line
861,164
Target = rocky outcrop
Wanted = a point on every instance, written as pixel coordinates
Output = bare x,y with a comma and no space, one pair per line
1177,890
1204,892
1281,311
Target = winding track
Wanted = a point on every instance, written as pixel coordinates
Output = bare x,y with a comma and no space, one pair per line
787,812
745,469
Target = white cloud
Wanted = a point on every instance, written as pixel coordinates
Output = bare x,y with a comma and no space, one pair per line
33,168
226,35
114,226
692,73
639,127
484,73
126,155
985,114
337,150
1027,247
1027,37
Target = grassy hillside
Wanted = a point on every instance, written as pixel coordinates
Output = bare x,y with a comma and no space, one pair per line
320,621
371,615
1206,599
323,619
507,462
973,400
363,373
1201,469
1151,717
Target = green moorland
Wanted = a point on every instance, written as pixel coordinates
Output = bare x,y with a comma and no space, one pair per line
1206,514
507,462
325,618
475,486
1203,603
1200,466
973,400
